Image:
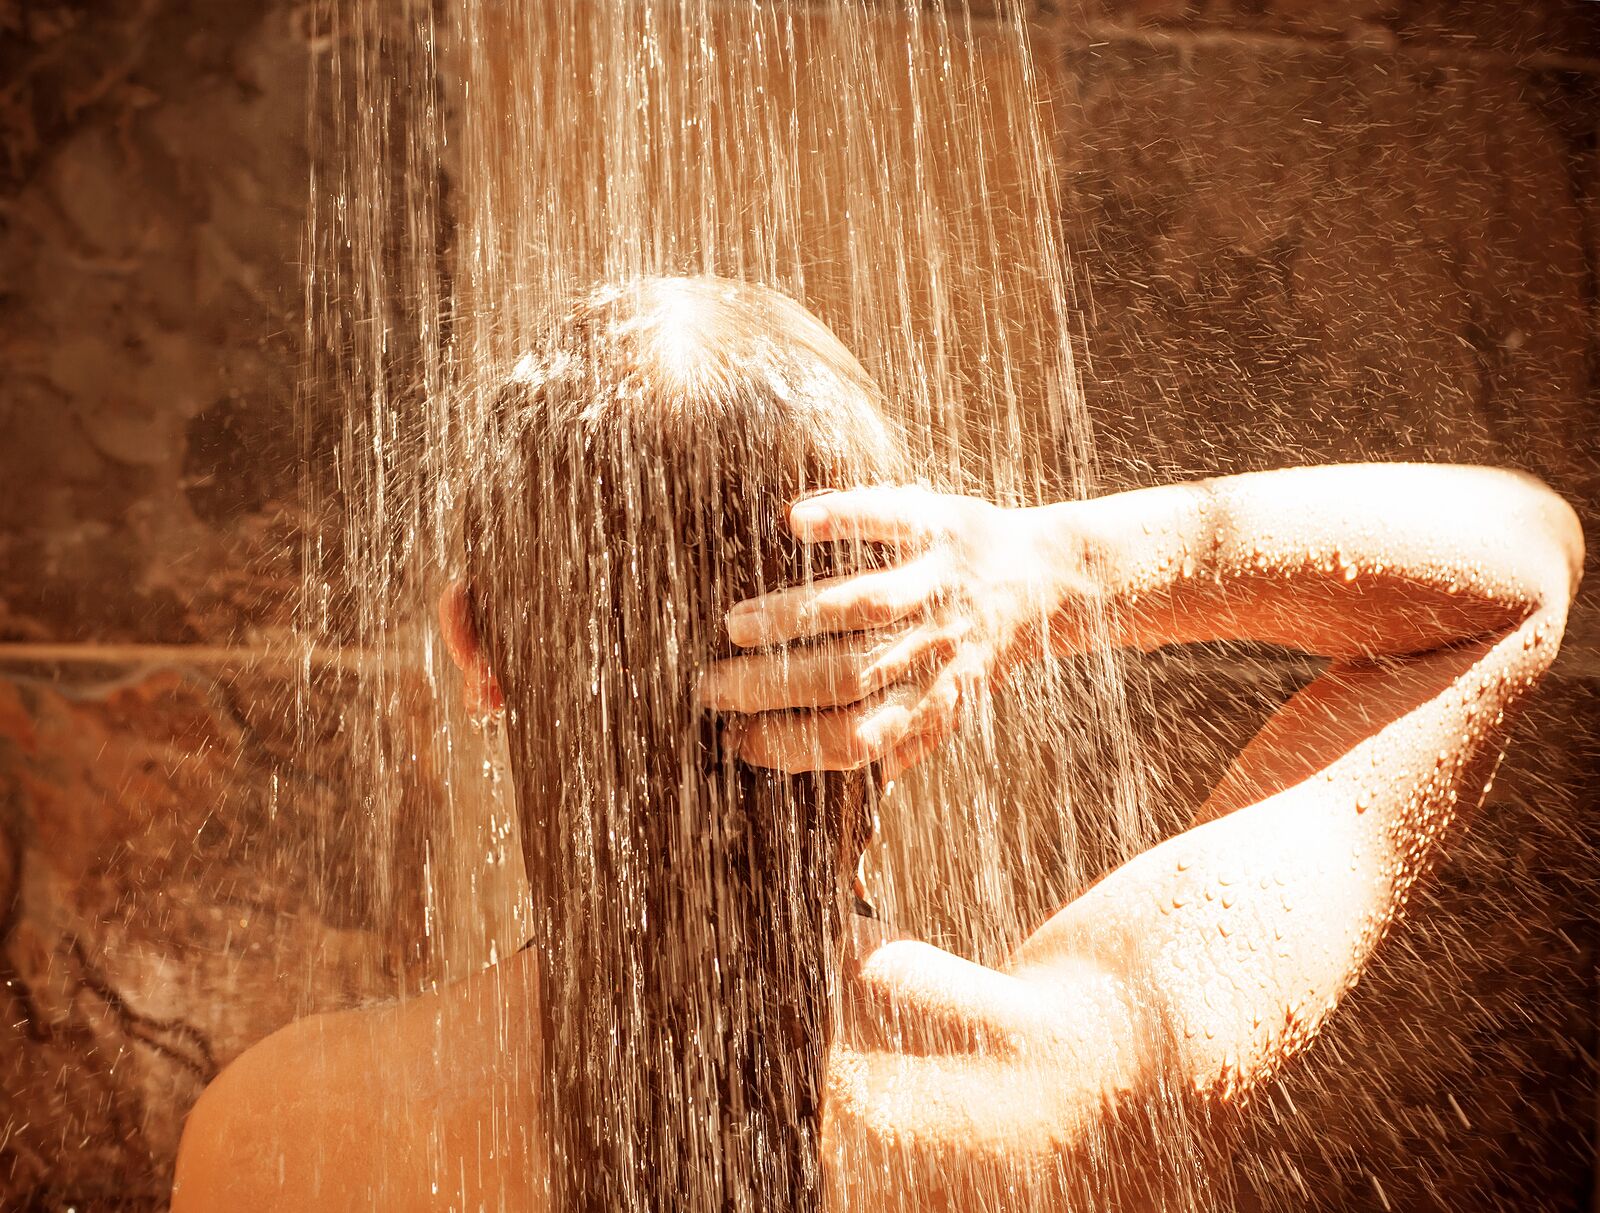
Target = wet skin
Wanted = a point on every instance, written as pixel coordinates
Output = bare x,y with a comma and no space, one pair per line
1439,593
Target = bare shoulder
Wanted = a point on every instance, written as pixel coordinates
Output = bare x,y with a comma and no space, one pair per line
232,1152
385,1107
267,1133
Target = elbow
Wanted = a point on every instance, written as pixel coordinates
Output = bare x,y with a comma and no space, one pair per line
1569,536
1563,535
1549,523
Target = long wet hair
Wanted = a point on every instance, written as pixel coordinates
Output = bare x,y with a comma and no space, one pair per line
639,470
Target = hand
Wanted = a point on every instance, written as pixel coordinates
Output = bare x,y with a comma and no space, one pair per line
976,592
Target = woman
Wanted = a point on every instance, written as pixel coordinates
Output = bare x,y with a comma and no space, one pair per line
667,1040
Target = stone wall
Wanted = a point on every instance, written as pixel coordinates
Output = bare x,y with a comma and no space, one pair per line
175,875
1300,231
1308,232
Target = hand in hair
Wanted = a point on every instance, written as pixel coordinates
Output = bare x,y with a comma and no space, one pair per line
877,666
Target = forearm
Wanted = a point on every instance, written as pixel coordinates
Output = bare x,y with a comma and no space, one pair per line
1349,561
1248,929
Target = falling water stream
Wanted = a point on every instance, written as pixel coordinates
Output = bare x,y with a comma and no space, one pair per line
890,166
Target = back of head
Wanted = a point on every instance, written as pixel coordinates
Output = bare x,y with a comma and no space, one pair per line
638,473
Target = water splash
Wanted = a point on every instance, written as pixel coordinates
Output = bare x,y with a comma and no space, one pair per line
890,167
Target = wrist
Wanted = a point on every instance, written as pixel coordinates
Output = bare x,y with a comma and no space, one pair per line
1065,569
1148,548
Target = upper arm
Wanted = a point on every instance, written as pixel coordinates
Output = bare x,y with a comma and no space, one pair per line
1241,934
1211,958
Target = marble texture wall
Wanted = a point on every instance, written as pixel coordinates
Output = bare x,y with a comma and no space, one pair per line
1305,230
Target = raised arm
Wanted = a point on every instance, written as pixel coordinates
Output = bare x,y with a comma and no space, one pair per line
1440,593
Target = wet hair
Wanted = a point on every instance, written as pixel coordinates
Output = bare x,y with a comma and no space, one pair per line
638,472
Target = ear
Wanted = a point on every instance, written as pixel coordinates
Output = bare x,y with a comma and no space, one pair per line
465,646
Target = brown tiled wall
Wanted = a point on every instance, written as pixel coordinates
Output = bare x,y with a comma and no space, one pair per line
1300,231
1296,248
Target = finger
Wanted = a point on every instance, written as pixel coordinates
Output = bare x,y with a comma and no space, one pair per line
935,718
907,754
834,673
939,707
803,676
844,739
901,514
922,648
957,688
856,602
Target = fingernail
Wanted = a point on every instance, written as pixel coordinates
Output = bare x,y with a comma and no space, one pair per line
705,690
807,509
804,513
741,626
